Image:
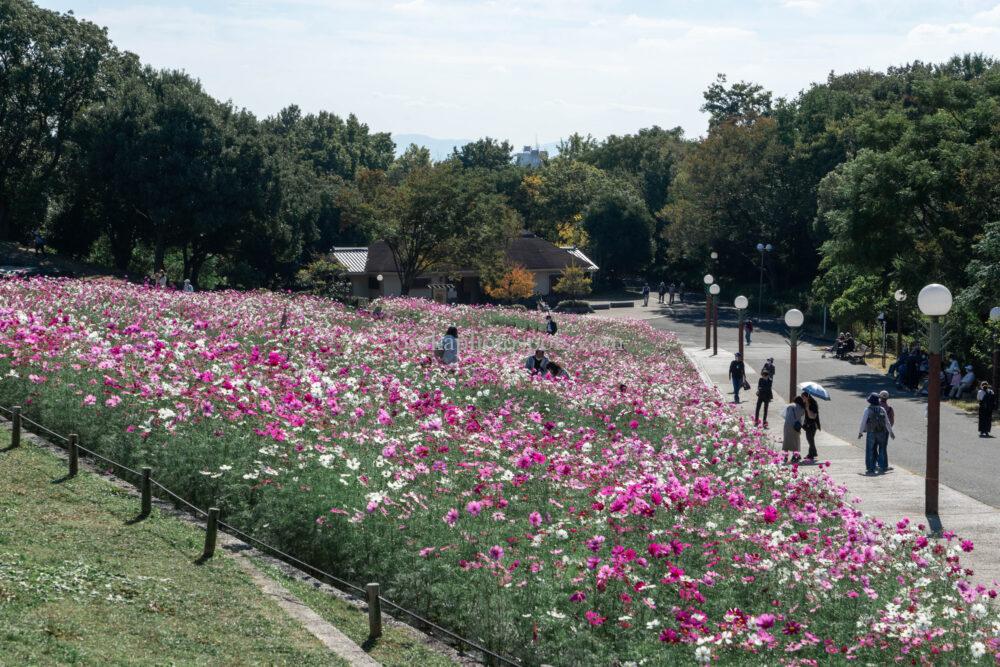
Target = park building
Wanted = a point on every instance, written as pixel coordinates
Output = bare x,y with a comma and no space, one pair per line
531,157
546,261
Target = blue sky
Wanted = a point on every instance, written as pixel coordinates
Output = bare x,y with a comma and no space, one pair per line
519,69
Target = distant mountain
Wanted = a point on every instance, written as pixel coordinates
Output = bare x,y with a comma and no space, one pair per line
441,148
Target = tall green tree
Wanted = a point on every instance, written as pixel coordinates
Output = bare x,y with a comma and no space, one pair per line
50,69
621,234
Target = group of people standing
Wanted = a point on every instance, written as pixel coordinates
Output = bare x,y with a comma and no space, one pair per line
664,291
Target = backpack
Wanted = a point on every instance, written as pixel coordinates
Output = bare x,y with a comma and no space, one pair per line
876,420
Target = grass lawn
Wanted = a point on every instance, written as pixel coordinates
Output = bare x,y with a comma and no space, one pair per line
397,647
78,585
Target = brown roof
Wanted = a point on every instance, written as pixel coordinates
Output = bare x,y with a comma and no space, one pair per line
530,251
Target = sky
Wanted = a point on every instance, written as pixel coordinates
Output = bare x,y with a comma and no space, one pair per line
527,69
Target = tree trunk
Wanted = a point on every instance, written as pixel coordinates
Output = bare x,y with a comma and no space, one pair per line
160,250
197,262
187,263
4,221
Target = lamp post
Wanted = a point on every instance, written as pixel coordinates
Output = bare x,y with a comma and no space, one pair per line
881,319
900,297
934,301
995,319
741,304
708,310
762,248
793,319
714,290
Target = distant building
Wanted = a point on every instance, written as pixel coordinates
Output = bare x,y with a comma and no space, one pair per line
545,260
531,157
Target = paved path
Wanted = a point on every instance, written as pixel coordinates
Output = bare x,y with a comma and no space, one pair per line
968,495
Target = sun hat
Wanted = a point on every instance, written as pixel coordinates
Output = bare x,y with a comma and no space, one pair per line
873,398
883,394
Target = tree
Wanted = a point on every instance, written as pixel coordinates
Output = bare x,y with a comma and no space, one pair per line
324,276
441,217
50,69
620,230
574,281
740,103
485,153
516,284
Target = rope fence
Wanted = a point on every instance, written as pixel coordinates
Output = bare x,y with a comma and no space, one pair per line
371,592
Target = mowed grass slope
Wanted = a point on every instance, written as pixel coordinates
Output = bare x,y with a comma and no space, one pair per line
78,585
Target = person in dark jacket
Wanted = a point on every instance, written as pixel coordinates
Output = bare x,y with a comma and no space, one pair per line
987,403
810,424
748,330
737,373
550,326
765,394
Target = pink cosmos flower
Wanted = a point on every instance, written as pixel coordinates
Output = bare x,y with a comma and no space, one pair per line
89,399
770,514
535,519
595,619
450,517
967,546
496,552
474,507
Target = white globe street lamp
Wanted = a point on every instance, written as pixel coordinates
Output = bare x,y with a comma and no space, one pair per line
708,279
762,248
741,303
714,289
934,301
794,319
715,255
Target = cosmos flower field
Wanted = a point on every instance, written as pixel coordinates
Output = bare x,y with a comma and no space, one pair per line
624,514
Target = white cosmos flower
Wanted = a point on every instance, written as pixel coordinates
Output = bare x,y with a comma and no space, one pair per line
978,650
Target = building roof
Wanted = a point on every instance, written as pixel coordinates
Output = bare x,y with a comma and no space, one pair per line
353,259
527,250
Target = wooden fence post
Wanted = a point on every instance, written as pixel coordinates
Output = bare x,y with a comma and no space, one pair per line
15,426
211,530
374,611
74,455
147,491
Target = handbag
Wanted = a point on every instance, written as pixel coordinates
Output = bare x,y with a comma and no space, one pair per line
797,426
746,385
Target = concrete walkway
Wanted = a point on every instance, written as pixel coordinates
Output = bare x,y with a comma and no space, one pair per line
967,504
896,495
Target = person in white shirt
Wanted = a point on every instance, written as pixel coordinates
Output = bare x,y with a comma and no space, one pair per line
875,422
188,287
965,384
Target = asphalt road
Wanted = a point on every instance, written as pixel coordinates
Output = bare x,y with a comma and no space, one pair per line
968,463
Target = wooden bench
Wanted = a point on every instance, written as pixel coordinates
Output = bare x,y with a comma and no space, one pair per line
858,355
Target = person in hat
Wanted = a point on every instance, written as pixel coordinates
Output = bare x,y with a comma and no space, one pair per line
883,400
987,403
875,423
769,367
791,441
810,424
737,373
765,394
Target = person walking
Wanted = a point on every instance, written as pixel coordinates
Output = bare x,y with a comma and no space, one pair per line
39,242
875,423
768,367
810,424
791,441
747,329
765,394
661,291
645,295
447,350
550,326
883,400
671,292
737,373
987,403
680,293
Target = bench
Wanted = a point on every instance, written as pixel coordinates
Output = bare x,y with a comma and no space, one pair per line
858,355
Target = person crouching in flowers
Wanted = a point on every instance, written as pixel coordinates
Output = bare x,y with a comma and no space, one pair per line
791,443
538,362
446,351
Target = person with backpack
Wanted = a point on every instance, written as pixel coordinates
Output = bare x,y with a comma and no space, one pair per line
672,291
737,373
550,326
791,442
645,294
987,404
875,423
747,329
661,291
765,394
